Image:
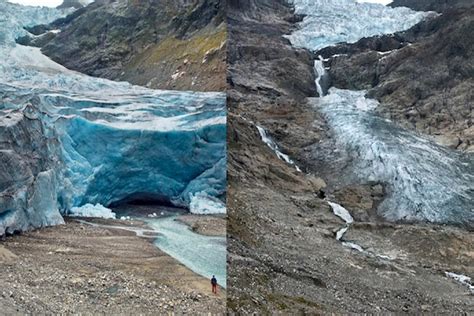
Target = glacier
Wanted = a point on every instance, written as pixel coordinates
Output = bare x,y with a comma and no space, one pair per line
68,140
423,181
203,204
329,22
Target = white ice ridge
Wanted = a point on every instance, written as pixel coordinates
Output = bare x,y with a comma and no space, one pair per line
119,105
328,22
89,210
463,279
273,146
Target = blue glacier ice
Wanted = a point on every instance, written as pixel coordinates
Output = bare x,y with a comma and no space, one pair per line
328,22
67,139
424,181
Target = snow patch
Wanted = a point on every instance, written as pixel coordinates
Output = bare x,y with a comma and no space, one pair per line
353,246
340,233
464,280
90,210
177,75
341,212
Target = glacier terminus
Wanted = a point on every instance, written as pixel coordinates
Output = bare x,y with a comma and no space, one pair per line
69,140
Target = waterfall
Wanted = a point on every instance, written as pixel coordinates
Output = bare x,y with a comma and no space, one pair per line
320,71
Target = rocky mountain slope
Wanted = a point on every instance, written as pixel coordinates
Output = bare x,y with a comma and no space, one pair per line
156,43
423,77
283,252
431,5
76,4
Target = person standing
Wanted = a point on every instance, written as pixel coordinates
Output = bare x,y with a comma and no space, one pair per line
214,284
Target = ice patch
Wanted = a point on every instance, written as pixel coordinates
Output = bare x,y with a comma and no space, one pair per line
90,210
344,214
353,246
340,233
202,203
464,280
341,212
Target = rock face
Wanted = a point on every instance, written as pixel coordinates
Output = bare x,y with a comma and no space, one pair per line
158,44
283,253
423,77
431,5
76,4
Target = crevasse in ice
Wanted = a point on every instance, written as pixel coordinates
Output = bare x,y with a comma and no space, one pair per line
67,139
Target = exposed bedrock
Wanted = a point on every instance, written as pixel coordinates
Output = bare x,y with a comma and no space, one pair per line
431,5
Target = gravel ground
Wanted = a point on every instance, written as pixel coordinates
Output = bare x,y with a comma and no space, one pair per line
77,268
214,225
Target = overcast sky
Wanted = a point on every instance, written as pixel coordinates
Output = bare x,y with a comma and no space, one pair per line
376,1
55,3
46,3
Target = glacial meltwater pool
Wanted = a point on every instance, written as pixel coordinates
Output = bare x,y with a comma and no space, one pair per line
204,255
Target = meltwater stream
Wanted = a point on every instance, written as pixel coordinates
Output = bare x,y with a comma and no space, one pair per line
424,181
204,255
